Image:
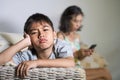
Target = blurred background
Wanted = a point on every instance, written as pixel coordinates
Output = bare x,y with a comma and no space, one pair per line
101,22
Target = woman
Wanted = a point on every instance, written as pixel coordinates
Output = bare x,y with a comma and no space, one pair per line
70,23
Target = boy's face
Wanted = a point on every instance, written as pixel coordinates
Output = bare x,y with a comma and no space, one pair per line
42,36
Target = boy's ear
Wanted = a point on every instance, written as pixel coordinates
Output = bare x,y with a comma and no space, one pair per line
24,35
55,34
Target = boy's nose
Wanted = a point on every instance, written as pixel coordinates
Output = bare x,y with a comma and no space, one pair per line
41,34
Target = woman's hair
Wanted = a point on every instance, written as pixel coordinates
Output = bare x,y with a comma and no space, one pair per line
67,15
37,18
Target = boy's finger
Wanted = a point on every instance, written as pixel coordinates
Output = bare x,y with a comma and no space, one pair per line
21,71
18,68
25,71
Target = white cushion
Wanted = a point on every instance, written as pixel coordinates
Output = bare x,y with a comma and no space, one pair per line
12,37
3,43
3,40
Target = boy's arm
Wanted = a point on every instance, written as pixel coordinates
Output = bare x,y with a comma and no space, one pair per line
7,54
60,62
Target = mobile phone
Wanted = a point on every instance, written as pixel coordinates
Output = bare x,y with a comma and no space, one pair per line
92,46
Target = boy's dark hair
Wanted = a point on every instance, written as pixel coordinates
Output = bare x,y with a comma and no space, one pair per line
37,18
67,15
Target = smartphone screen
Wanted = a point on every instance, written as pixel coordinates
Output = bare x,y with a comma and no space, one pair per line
92,46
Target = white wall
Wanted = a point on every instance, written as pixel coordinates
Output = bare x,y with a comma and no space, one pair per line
14,13
102,25
101,22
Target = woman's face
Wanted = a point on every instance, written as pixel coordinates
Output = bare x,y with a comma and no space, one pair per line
76,22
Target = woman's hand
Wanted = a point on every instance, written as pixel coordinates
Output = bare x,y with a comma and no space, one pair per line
82,53
22,69
86,52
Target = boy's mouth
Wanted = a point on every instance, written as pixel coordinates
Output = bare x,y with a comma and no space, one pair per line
42,40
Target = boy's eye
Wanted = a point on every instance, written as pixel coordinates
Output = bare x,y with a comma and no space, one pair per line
46,29
34,32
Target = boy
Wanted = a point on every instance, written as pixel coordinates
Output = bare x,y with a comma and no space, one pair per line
44,50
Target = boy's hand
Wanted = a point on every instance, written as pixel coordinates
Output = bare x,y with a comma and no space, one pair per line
22,69
27,38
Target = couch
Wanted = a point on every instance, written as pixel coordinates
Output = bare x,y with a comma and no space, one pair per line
93,61
7,71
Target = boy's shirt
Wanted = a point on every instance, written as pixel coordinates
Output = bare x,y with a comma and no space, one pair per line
62,49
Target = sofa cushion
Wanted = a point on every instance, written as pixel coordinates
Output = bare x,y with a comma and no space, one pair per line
94,61
12,37
3,43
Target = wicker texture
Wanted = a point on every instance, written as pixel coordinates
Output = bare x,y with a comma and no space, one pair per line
8,73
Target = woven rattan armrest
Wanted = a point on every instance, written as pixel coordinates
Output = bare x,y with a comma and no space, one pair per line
8,73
